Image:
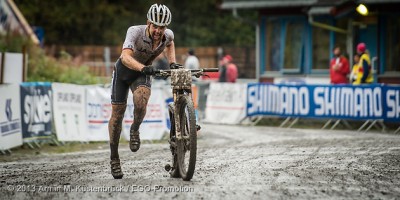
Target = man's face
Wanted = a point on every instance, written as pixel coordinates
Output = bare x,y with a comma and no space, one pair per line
336,51
156,32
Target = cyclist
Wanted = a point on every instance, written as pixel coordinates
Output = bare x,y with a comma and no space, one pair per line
143,43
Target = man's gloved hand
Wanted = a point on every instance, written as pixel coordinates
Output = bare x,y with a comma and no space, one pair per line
148,70
175,66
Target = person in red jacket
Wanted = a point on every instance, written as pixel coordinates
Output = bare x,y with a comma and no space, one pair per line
229,71
339,67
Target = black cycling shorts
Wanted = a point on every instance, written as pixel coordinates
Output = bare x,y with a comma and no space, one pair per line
124,78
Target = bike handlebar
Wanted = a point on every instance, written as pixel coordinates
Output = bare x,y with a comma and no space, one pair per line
167,72
210,70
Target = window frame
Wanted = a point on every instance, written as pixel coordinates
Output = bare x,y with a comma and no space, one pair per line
283,20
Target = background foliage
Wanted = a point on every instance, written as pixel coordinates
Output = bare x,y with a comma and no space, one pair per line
46,68
104,22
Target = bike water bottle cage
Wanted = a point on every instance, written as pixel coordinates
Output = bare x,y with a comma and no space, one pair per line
181,79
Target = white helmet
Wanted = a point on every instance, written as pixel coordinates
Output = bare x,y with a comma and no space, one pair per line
159,15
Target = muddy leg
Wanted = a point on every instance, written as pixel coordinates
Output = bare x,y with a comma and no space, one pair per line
140,99
115,127
141,96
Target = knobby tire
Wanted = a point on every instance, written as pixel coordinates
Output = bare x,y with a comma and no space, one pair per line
188,128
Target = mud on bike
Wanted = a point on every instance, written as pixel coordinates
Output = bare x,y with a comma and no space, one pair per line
183,132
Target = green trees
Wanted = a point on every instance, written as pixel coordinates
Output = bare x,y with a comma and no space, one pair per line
45,68
104,22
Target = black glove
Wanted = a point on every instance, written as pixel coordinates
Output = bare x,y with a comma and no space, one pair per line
147,70
175,66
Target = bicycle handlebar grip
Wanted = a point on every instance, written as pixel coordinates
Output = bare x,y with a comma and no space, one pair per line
210,70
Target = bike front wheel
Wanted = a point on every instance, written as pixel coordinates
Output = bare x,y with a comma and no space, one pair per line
187,145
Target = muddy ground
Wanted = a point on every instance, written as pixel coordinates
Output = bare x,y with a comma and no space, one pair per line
234,162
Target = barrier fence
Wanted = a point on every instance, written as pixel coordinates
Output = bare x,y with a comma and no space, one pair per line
32,112
365,102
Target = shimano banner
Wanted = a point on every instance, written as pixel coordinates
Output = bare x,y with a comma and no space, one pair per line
362,102
36,109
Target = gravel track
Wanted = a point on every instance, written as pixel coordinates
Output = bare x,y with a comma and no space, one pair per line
233,162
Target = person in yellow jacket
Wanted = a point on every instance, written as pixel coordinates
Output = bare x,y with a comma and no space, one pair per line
363,71
354,70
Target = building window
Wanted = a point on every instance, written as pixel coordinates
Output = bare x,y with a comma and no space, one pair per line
340,39
284,44
294,45
321,48
392,50
273,45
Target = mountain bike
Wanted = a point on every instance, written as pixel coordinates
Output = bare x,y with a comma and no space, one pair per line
183,132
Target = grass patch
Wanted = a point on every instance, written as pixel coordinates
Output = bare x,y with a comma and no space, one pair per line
45,149
24,151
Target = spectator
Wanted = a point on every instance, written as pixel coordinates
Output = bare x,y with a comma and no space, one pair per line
222,70
364,73
192,62
229,72
353,74
339,67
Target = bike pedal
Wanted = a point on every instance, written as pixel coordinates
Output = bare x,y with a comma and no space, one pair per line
167,167
198,127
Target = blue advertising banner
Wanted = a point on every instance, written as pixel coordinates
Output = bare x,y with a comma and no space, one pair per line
363,102
36,109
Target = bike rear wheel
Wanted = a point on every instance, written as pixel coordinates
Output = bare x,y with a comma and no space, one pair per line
187,145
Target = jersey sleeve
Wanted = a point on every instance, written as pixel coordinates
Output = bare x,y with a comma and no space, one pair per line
130,38
169,36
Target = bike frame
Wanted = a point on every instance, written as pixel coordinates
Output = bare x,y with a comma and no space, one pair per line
181,83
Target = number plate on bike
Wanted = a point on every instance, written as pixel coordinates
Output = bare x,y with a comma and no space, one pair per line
181,79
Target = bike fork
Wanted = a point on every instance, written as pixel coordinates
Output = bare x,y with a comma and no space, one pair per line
177,119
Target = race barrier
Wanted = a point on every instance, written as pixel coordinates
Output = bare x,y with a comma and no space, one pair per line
81,113
30,112
36,110
69,112
10,117
154,124
33,112
98,112
364,102
226,103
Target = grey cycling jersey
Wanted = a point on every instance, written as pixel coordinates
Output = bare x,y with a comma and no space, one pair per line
138,40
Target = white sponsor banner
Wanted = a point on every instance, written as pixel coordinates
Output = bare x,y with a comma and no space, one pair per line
98,112
13,68
10,117
69,112
154,123
303,80
226,103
